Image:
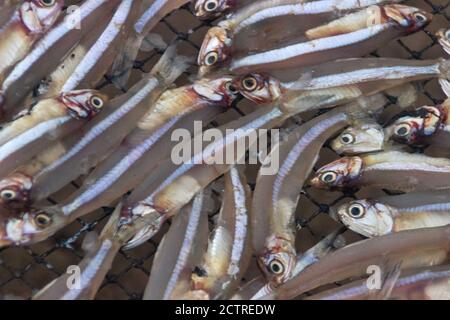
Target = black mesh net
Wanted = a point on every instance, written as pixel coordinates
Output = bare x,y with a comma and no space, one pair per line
25,270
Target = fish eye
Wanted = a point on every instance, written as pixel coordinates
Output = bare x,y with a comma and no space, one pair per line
249,83
211,58
347,138
328,177
419,17
42,220
97,102
8,194
211,5
276,267
48,3
403,130
447,34
229,86
356,211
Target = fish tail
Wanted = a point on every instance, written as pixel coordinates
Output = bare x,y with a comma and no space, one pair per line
443,41
171,65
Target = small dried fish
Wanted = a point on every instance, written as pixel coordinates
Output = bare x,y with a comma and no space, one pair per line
430,283
393,170
228,254
29,22
49,120
353,35
52,84
411,249
376,217
178,252
263,17
338,82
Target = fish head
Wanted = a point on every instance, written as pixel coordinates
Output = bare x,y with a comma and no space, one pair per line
443,36
210,9
409,18
29,227
215,49
258,87
412,129
15,190
83,104
218,90
366,137
39,15
368,218
338,173
278,260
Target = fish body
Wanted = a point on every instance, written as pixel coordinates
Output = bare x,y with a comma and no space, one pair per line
353,35
337,82
393,170
228,254
179,251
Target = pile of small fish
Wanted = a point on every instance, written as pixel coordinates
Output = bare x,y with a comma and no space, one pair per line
288,57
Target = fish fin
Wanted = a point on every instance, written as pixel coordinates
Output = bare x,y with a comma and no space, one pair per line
445,46
141,236
153,41
123,63
445,85
170,66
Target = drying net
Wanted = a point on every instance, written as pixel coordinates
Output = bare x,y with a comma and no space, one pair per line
25,270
